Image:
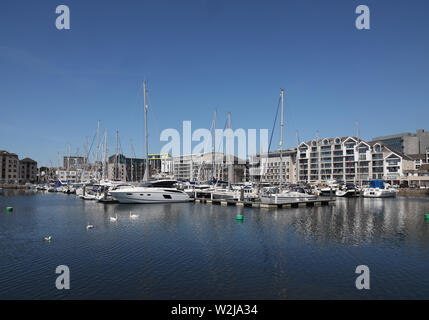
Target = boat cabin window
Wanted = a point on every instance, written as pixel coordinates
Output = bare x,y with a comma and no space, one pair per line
160,184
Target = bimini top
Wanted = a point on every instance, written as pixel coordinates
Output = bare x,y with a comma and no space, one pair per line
376,184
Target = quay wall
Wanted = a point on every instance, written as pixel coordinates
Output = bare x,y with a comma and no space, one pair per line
13,186
407,192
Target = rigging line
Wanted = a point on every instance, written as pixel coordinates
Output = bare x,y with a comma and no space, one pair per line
92,143
123,156
221,141
274,125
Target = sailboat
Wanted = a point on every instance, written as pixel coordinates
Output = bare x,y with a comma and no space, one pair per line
162,191
278,195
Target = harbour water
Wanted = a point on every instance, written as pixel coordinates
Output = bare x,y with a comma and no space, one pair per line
199,251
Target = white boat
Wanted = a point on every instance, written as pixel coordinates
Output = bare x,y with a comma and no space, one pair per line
104,194
330,188
348,190
162,191
287,196
201,190
379,189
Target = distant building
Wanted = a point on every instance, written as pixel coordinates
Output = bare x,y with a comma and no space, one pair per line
200,167
28,171
15,171
349,159
407,143
74,162
120,167
265,167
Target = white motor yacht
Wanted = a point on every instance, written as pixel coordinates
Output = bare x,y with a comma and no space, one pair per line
162,191
379,189
287,196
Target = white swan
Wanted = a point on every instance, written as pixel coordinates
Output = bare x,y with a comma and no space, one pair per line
89,226
114,219
47,238
133,216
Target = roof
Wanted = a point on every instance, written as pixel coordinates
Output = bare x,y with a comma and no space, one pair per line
4,152
420,156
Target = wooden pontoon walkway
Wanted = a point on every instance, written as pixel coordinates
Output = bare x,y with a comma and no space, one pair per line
294,204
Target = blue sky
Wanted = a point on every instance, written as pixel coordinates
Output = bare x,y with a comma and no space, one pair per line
201,54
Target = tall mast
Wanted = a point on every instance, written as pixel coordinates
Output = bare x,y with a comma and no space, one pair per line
231,162
98,149
282,93
68,157
214,146
358,169
147,172
117,156
319,165
105,156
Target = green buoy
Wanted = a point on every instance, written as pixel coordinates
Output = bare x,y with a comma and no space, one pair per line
240,217
9,209
427,216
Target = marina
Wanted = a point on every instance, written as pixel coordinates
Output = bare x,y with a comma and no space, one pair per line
193,250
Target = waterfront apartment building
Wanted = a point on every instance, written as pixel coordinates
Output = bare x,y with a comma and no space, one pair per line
349,159
120,167
407,143
15,171
267,167
199,167
74,162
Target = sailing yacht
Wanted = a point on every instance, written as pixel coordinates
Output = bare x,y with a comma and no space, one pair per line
162,191
278,195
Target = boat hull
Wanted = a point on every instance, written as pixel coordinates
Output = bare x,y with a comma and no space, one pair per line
147,195
379,194
347,194
284,198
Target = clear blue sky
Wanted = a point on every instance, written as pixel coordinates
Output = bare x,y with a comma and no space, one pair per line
201,54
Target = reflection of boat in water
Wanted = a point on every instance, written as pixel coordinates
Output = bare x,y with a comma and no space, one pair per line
1,190
379,189
348,190
163,191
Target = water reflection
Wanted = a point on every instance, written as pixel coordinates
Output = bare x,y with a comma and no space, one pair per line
362,221
198,251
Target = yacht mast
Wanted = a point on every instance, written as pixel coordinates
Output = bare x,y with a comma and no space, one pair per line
214,147
105,156
230,163
98,149
147,172
282,92
117,156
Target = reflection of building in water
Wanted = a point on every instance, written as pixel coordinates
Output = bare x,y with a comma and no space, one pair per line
362,221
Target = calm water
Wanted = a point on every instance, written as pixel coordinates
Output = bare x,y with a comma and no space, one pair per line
197,251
